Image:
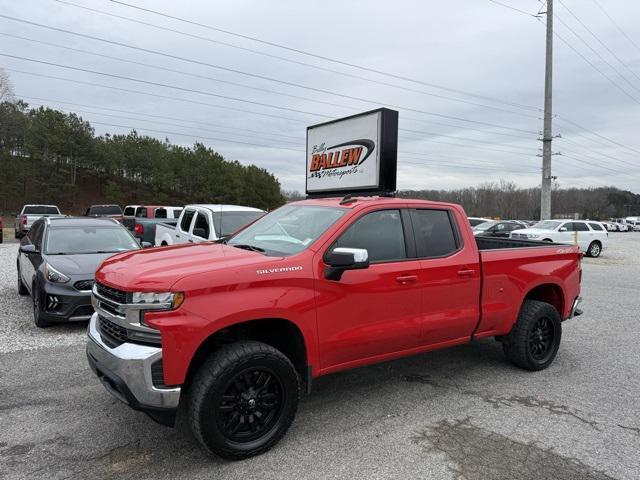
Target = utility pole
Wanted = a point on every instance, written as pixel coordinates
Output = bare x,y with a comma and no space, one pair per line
547,134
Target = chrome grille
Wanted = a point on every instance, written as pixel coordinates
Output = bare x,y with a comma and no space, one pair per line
112,294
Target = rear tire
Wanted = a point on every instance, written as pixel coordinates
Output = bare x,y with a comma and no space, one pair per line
534,340
243,400
594,250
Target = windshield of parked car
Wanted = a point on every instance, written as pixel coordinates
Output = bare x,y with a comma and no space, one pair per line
228,223
77,240
482,227
40,210
105,210
547,225
287,230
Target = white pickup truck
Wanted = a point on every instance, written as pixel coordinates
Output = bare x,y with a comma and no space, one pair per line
201,223
31,213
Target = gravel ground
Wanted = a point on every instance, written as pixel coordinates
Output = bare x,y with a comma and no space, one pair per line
462,413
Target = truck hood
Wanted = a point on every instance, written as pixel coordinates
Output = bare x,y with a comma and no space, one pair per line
157,269
81,264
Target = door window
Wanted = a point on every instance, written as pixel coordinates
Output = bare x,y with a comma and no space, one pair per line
160,213
36,239
435,233
185,223
380,233
202,222
596,226
577,227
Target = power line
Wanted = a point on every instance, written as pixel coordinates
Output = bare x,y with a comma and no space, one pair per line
616,25
599,40
289,60
321,57
240,72
226,81
513,8
598,135
600,154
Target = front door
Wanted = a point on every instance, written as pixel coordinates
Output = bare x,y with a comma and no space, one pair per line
374,311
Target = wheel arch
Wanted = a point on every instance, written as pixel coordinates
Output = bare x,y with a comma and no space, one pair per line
280,333
551,293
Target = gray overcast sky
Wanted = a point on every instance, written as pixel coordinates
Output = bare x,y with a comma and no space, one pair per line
473,46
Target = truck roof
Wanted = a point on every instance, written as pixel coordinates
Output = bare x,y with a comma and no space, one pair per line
224,208
357,202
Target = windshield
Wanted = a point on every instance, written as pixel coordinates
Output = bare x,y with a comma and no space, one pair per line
481,227
76,240
228,223
547,225
105,210
40,209
289,229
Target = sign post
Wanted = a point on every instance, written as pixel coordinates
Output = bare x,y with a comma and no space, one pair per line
356,154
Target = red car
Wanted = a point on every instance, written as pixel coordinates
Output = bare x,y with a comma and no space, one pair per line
315,287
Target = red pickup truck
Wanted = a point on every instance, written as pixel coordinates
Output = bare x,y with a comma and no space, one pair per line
234,331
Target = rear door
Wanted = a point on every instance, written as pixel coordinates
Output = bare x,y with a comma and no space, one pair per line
201,230
449,275
579,232
183,229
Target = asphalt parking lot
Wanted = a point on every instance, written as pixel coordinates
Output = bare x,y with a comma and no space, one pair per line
462,413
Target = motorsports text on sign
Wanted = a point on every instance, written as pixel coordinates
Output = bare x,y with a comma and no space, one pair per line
353,154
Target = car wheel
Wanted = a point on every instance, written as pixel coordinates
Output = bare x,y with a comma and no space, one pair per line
163,244
37,310
243,400
534,340
22,289
594,250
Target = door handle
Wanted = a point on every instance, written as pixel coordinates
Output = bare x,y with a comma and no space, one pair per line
177,236
466,273
406,279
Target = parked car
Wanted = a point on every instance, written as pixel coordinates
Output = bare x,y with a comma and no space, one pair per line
148,211
57,261
473,221
199,223
315,287
31,213
498,229
144,226
622,225
110,211
129,212
591,236
610,226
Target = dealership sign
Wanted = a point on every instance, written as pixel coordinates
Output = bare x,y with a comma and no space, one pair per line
353,154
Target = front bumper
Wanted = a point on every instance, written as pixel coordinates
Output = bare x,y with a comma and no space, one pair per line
126,373
63,303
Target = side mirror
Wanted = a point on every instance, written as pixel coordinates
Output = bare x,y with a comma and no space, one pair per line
29,248
563,229
146,244
200,232
342,258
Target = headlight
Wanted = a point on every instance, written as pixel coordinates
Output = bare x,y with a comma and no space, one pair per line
54,275
169,300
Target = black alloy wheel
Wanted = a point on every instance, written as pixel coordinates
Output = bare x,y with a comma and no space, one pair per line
251,405
541,339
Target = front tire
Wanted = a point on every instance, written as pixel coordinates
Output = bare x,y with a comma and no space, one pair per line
594,250
37,310
22,289
243,400
534,340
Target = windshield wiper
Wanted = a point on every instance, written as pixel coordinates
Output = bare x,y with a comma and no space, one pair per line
246,246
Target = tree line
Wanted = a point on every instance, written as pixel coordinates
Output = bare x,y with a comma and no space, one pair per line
51,156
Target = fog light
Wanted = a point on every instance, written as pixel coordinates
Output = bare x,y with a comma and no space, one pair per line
53,302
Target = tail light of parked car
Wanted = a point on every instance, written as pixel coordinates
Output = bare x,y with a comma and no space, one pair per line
23,219
138,229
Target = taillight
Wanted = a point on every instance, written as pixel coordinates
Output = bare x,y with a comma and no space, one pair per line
23,219
138,229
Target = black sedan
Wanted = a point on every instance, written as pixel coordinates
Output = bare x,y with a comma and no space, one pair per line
57,262
498,228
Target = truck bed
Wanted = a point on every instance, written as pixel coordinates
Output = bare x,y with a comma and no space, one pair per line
495,243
